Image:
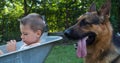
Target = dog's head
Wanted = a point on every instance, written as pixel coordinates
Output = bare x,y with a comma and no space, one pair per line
90,25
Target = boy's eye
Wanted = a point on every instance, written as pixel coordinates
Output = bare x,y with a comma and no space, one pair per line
25,34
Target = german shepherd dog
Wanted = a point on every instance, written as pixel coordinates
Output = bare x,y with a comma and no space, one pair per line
94,34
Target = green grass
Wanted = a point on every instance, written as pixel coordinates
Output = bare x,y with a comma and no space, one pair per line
63,54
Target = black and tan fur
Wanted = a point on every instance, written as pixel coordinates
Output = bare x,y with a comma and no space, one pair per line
96,25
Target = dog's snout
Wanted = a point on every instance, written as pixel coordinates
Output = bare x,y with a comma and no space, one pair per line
67,33
71,34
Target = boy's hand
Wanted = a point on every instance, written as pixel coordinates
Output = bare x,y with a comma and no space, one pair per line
1,52
11,46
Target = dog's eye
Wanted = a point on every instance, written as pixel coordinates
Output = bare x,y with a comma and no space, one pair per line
83,22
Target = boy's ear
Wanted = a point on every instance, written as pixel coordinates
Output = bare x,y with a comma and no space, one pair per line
39,33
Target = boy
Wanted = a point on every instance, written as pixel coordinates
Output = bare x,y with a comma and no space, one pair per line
31,28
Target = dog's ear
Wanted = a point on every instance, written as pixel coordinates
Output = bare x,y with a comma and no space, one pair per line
92,8
105,9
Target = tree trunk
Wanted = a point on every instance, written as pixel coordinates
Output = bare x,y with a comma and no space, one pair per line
25,7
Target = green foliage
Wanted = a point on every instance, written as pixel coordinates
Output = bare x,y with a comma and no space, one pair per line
10,13
115,15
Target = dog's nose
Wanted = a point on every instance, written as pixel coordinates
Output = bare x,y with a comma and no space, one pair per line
67,33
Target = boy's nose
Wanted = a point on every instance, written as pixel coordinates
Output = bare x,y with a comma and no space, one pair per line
22,37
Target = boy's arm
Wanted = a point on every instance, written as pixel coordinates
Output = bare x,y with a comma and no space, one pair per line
11,46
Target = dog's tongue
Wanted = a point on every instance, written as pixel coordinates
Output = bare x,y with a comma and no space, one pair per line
81,48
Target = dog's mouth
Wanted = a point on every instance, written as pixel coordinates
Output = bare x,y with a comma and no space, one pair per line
82,43
84,40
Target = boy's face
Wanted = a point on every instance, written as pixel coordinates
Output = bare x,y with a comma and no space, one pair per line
28,35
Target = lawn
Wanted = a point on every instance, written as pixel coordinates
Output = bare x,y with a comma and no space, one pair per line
63,54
